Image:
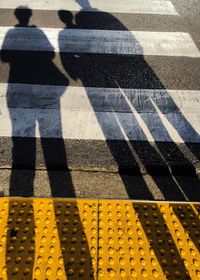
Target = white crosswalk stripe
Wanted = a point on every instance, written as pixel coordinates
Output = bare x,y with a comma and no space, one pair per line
98,41
125,6
97,112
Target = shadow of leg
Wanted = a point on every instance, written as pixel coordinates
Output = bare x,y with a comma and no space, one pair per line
23,151
71,219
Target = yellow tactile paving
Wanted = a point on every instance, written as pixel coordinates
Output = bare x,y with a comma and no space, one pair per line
48,239
98,239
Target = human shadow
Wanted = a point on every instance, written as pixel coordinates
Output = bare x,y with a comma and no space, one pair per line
34,100
25,103
125,73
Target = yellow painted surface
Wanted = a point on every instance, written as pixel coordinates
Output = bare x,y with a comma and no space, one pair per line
98,239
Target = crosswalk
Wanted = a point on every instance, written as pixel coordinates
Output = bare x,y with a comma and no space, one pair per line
97,84
98,41
127,6
83,88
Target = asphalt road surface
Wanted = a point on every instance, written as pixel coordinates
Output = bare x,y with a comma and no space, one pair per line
109,89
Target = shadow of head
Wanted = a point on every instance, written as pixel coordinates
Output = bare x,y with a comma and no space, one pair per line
23,14
66,17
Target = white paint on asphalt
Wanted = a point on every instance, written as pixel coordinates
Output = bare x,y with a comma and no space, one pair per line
98,41
99,99
73,116
125,6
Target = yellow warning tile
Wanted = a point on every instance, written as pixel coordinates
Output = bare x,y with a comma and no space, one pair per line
48,239
148,240
107,239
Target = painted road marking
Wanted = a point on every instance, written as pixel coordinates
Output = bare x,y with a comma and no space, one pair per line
125,6
165,116
98,41
99,99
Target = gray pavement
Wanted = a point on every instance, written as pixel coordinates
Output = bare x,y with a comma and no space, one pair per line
104,185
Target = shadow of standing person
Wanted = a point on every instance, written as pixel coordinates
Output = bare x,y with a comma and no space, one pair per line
33,99
124,72
29,106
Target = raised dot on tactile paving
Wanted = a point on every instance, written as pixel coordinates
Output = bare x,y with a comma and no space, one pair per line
26,271
131,251
15,270
133,273
28,260
111,261
3,212
63,249
82,272
162,252
4,270
122,273
3,239
12,212
93,250
164,262
21,249
19,220
59,271
70,272
66,221
23,204
177,274
74,230
73,240
48,271
82,260
93,240
10,220
68,205
30,212
195,262
10,248
53,239
50,260
192,252
73,250
71,260
153,262
23,239
18,259
14,204
147,223
13,238
174,262
37,271
31,249
52,249
26,229
155,273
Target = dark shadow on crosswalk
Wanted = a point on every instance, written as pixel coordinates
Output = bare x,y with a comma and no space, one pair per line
130,71
33,68
93,70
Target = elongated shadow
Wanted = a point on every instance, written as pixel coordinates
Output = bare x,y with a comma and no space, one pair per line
29,109
131,72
